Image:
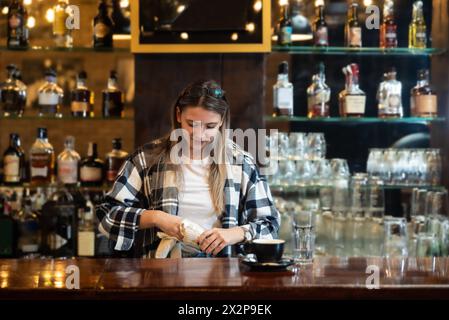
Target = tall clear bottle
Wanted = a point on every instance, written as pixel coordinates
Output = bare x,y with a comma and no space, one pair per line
62,34
283,92
352,99
29,228
86,232
68,163
113,98
42,159
50,96
389,96
318,95
417,31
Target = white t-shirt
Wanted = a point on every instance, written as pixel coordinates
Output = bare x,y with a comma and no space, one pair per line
195,202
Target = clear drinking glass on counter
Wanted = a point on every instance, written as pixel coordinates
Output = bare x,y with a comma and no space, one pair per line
303,236
396,240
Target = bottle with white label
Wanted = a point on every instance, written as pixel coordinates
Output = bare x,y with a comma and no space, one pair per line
29,228
50,96
389,96
14,162
92,168
67,163
283,93
86,232
42,159
352,99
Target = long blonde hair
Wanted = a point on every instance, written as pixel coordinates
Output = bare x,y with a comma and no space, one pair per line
208,95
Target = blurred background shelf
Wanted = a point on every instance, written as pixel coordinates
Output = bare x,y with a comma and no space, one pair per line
406,120
310,50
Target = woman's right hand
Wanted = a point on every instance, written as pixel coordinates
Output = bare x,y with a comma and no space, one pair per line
169,224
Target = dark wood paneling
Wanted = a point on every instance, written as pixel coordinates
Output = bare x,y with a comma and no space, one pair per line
160,78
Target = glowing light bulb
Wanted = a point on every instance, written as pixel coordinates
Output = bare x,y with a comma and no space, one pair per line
181,8
250,27
184,36
5,10
367,2
50,15
124,4
27,2
257,5
234,36
31,22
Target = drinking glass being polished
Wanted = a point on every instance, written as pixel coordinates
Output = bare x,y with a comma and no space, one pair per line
396,240
303,236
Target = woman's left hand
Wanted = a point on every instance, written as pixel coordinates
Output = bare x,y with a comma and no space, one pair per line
214,240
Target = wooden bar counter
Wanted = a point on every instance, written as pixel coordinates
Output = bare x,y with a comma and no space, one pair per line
224,278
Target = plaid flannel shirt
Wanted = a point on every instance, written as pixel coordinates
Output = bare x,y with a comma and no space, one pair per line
248,200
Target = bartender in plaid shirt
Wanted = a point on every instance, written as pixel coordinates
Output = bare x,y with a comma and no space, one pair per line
228,197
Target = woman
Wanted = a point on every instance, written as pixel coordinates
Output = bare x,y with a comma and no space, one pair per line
153,192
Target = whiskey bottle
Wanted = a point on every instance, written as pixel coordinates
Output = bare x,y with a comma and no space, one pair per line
17,33
352,99
103,27
86,232
388,29
113,98
389,96
353,30
13,94
285,27
82,99
91,168
62,34
50,96
417,35
318,95
14,162
42,159
283,92
68,162
423,99
320,34
115,160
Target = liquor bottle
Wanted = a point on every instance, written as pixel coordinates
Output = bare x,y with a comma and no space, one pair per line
42,159
86,232
29,228
352,99
91,167
285,27
50,96
353,30
14,161
13,94
113,98
17,25
318,95
417,36
283,92
103,27
68,163
423,99
62,34
320,34
8,230
82,99
388,29
115,160
389,96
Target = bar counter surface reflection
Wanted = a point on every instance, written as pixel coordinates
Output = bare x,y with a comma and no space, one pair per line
225,278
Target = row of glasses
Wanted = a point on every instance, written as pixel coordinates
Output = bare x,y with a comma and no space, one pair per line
406,166
297,145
